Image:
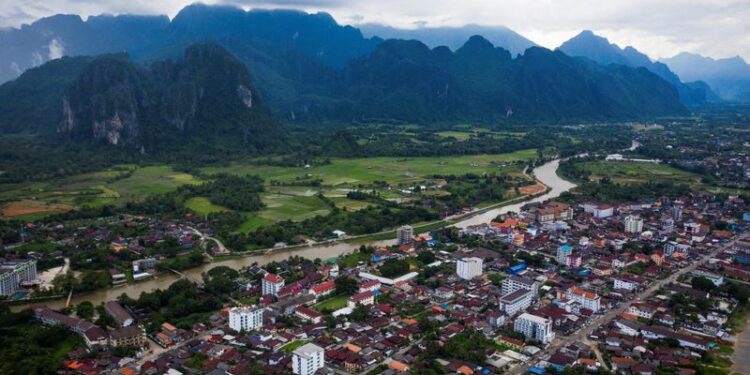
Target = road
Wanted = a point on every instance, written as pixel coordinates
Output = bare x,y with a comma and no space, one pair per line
604,319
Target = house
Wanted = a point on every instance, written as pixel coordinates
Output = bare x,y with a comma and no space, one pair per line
306,313
364,298
323,289
369,286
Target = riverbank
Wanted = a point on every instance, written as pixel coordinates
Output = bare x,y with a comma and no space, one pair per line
546,174
741,356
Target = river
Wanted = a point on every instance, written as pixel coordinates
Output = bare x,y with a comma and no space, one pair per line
546,174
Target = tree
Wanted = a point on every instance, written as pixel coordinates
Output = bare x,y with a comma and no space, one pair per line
361,313
346,285
85,310
394,267
426,256
220,280
702,283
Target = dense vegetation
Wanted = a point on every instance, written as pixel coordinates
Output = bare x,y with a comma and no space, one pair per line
234,192
29,348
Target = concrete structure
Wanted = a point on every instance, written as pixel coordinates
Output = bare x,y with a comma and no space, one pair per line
469,268
118,313
245,318
271,284
563,252
13,273
307,359
127,336
633,224
534,327
364,298
514,283
405,234
589,300
515,302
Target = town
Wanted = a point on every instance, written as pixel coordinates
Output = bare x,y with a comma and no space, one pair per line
642,287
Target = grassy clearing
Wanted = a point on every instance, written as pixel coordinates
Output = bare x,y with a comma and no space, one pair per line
625,172
348,172
203,206
290,347
332,304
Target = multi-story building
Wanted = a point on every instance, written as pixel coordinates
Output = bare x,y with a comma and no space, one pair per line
405,234
118,313
514,283
127,336
13,273
633,224
245,318
553,211
515,302
534,327
141,265
469,268
307,359
589,300
563,252
364,298
271,284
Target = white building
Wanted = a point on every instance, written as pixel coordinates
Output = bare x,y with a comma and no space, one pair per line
13,273
272,283
563,252
307,359
245,318
515,302
513,283
469,268
534,327
633,224
405,234
589,300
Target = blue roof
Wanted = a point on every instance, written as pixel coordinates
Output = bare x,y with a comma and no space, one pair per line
566,248
537,370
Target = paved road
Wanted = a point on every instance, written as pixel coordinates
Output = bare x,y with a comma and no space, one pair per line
603,319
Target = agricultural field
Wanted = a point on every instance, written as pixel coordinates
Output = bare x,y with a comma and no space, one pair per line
115,186
393,170
133,183
627,172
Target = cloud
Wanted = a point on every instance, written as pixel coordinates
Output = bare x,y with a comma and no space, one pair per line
56,49
718,28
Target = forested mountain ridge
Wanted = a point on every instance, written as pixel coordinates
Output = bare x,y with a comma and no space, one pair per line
207,96
599,49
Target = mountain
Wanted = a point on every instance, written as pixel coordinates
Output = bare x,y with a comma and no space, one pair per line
729,78
453,37
205,98
155,37
599,49
406,80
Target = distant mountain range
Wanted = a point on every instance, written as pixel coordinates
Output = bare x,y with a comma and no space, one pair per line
599,49
453,37
729,78
305,68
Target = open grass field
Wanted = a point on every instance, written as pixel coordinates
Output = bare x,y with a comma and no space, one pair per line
203,206
626,172
333,304
393,170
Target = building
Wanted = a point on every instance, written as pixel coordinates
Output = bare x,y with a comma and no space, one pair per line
272,283
141,265
554,211
515,302
405,234
633,224
127,336
13,273
118,313
307,359
245,318
323,289
308,314
589,300
364,298
534,327
369,286
563,252
514,283
469,268
93,335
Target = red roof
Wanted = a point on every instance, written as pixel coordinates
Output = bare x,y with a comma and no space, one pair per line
323,287
274,278
361,296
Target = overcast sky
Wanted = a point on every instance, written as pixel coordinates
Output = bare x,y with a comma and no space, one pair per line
660,28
